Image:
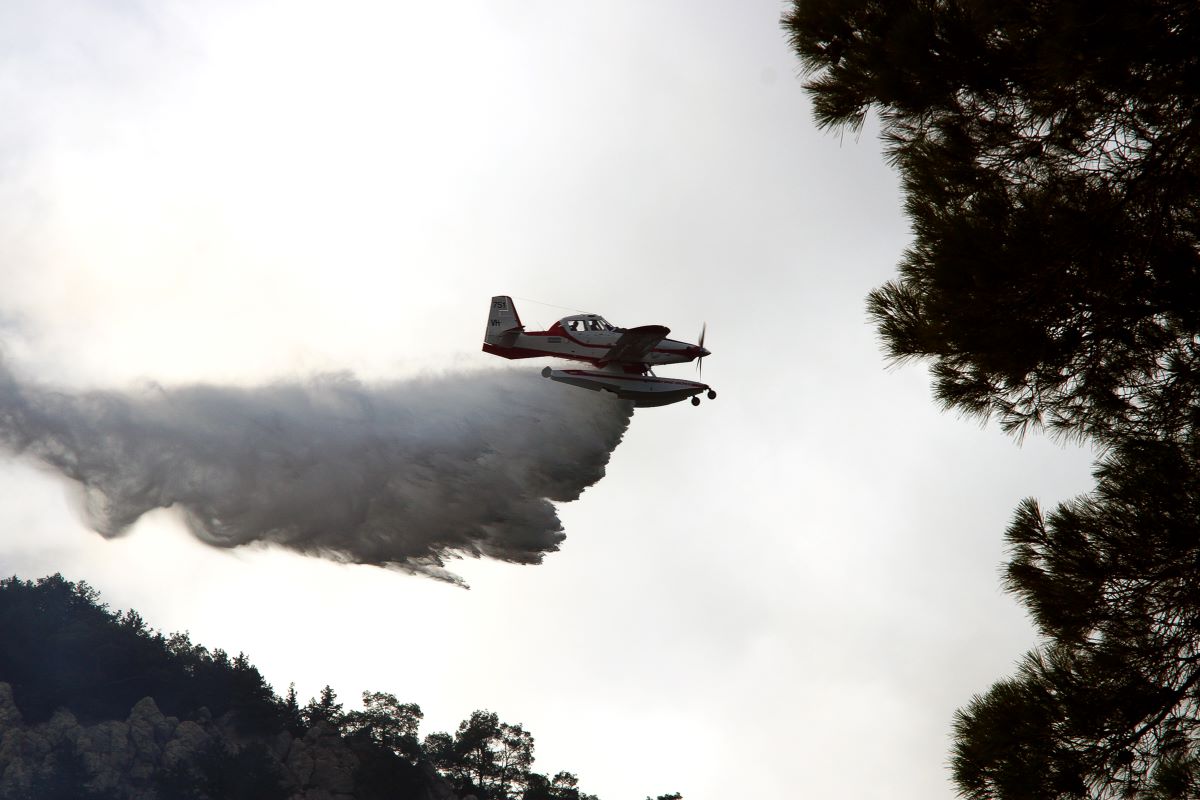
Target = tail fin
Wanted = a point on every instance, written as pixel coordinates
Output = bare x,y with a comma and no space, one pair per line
503,322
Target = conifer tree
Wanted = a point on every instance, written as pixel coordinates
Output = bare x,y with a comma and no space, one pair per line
1110,704
1050,157
326,710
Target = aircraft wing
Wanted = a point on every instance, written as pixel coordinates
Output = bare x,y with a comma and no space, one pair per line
635,344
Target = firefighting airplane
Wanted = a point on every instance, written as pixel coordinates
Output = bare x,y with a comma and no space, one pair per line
623,357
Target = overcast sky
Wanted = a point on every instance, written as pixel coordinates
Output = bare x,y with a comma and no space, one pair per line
785,592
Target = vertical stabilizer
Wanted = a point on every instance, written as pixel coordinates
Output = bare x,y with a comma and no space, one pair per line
503,322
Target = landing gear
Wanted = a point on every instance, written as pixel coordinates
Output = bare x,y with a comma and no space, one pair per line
712,395
695,401
546,372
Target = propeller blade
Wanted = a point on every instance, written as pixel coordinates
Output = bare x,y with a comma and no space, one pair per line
703,330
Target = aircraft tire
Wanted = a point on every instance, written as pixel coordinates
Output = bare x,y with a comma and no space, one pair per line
695,401
546,372
712,395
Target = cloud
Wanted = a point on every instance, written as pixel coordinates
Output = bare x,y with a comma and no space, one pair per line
401,474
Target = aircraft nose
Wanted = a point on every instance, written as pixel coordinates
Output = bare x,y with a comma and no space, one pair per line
703,352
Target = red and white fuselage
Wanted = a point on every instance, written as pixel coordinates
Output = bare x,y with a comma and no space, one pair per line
621,358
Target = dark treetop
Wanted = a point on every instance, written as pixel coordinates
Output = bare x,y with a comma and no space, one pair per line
1050,157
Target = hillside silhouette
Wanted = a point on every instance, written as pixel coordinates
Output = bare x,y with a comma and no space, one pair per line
96,705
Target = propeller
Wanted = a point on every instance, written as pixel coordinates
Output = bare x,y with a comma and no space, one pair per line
700,360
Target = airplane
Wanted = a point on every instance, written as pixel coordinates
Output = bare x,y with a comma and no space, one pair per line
622,357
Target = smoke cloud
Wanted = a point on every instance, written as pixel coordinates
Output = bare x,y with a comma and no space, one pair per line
402,474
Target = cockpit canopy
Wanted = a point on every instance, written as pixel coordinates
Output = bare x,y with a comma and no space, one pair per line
585,322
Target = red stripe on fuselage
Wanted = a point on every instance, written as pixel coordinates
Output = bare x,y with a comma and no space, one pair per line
527,352
555,330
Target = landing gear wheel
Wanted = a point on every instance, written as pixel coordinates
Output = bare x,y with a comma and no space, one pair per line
712,395
695,401
546,372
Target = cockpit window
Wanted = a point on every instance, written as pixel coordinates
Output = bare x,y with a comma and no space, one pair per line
578,325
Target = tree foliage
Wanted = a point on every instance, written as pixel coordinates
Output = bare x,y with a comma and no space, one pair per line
563,786
493,760
388,723
66,779
219,773
1050,158
1110,706
324,711
485,755
64,648
61,647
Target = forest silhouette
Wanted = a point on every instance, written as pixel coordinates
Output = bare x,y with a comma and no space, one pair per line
64,649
